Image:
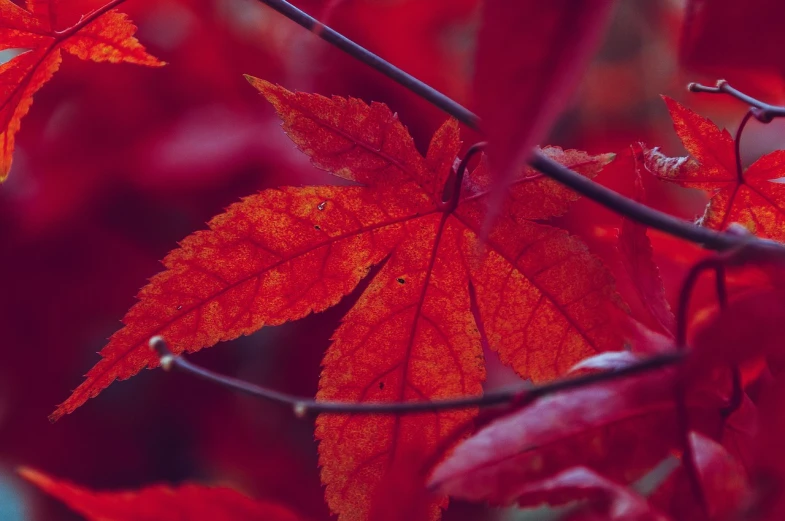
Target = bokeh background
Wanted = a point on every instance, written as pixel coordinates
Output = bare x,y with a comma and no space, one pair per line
116,163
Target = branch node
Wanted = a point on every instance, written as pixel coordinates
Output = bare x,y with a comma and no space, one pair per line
167,361
166,358
158,344
300,410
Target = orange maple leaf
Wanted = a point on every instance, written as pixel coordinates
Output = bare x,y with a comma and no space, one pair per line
160,502
543,299
102,36
754,198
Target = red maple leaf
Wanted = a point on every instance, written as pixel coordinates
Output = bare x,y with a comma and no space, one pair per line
754,198
598,497
160,502
543,300
637,258
101,36
617,429
738,41
530,55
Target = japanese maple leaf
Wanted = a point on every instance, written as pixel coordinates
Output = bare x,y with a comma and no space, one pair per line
738,41
530,56
160,502
102,36
599,497
620,429
637,258
754,198
281,254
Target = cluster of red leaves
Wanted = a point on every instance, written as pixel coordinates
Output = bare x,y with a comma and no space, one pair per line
447,279
542,300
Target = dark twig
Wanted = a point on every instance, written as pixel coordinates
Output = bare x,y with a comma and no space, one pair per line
737,145
721,286
584,186
643,214
737,390
401,77
680,386
307,406
762,111
452,191
716,263
713,263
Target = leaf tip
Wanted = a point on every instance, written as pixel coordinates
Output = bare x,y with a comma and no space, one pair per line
606,159
56,415
258,83
33,476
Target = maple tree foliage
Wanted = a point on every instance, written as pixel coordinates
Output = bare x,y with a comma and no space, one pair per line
529,56
755,198
284,253
102,36
637,259
160,502
457,251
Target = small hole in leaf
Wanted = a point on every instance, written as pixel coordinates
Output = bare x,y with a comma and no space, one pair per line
401,280
317,227
179,308
321,205
381,385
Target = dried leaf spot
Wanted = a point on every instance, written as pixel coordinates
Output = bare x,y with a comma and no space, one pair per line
401,280
381,386
317,227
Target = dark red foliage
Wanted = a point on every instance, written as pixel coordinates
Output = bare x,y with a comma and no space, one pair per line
397,279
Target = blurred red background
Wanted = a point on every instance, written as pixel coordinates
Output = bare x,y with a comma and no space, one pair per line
116,163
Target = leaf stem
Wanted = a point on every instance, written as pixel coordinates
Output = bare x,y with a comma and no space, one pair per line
716,263
762,111
452,190
85,20
306,406
737,145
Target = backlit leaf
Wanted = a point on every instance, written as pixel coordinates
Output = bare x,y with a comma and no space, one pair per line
530,56
600,498
543,300
619,429
754,198
160,502
105,36
637,259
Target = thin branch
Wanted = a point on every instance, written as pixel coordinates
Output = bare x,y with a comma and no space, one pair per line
584,186
86,19
680,386
713,263
354,50
307,406
762,111
643,214
737,144
737,387
718,264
